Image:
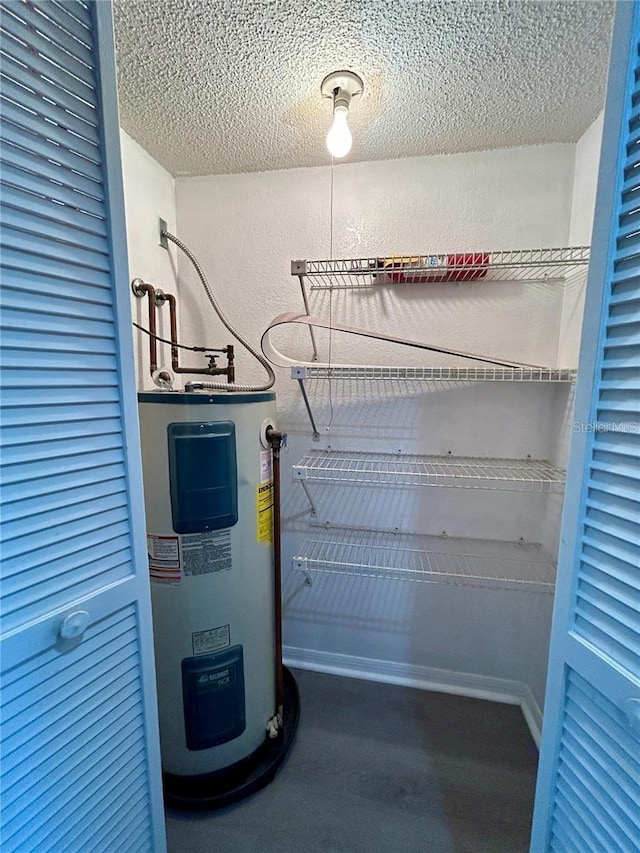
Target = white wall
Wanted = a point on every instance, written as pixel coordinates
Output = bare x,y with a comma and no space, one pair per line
585,179
583,202
245,229
149,194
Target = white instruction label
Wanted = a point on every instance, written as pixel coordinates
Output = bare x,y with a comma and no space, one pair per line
203,553
164,559
266,470
211,640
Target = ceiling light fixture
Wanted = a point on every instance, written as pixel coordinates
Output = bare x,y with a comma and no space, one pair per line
342,87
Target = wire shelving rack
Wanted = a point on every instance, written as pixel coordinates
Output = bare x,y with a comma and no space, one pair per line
483,563
519,265
436,374
332,466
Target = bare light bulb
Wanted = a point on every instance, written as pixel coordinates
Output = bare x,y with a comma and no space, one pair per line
339,138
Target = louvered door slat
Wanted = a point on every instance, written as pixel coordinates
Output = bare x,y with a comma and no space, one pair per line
80,138
76,44
78,720
15,26
80,12
17,177
16,198
567,817
113,483
82,282
41,486
26,342
43,148
81,462
66,17
57,782
53,711
617,590
73,716
32,225
601,740
576,828
608,481
95,716
617,569
629,502
129,835
59,173
94,363
73,533
103,640
588,793
52,398
62,413
631,221
55,324
38,434
619,612
18,66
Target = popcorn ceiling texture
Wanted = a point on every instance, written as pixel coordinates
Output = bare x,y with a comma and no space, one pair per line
233,85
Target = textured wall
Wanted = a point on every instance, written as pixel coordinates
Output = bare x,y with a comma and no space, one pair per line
149,193
246,228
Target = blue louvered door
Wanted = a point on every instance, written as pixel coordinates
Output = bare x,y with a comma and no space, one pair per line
80,767
588,793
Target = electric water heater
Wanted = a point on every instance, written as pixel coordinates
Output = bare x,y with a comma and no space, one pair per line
209,501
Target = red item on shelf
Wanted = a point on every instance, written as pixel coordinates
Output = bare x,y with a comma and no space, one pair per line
468,266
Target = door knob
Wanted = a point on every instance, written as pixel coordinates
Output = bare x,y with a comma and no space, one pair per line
632,710
74,625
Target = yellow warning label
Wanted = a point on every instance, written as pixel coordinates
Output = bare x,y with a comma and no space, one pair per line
264,512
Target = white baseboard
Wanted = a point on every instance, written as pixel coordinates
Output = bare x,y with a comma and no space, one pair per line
423,678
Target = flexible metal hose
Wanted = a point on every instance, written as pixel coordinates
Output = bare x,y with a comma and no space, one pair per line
221,386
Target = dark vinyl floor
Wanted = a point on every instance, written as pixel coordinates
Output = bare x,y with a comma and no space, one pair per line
378,769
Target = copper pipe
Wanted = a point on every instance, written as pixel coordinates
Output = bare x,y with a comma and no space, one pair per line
150,290
174,331
231,368
228,371
275,440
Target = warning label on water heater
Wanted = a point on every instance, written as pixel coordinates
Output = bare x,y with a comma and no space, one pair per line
211,640
203,553
266,466
264,513
164,559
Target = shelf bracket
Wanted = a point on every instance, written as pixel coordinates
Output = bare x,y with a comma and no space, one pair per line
300,474
299,373
309,498
299,268
299,566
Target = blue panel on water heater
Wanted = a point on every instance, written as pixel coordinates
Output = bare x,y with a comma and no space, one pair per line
203,476
213,696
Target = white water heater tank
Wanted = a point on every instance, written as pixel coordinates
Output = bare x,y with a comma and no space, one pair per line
209,496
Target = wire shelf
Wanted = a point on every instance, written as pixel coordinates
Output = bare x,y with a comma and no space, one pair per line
331,466
437,374
557,264
428,559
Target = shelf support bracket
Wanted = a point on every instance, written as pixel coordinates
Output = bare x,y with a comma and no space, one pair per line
299,566
309,498
299,373
299,268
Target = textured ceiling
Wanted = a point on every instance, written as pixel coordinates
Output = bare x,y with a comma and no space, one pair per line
219,86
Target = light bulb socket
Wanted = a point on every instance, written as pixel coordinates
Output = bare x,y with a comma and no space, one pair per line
341,98
342,86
